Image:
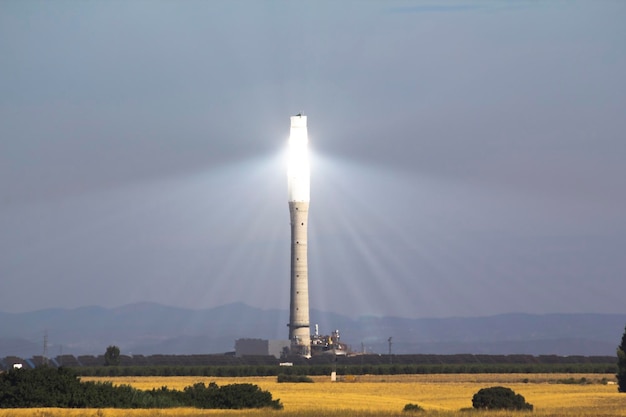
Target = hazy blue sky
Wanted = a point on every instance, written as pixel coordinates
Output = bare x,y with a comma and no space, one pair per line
469,157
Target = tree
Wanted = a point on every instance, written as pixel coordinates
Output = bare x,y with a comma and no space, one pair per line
499,398
621,364
112,356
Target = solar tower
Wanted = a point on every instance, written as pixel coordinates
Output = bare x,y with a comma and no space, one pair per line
298,184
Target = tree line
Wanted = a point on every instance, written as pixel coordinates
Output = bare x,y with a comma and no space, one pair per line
343,369
113,358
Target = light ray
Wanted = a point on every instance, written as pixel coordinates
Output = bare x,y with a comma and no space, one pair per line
393,257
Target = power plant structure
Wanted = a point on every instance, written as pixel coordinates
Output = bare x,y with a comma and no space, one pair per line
301,342
298,186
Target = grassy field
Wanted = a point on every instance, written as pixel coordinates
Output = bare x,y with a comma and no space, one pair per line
381,395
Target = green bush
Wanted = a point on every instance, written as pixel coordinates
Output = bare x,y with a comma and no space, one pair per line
499,398
51,387
234,396
411,408
572,381
293,378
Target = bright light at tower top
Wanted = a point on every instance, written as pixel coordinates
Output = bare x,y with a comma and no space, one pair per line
298,169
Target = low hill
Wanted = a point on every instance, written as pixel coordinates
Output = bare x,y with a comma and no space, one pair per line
148,328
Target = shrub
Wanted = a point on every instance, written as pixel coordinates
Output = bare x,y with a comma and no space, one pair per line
233,396
51,387
571,381
411,408
499,398
293,378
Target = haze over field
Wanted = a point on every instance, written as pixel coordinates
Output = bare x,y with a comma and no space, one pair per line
149,329
468,156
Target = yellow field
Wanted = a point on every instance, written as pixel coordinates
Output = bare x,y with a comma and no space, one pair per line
384,395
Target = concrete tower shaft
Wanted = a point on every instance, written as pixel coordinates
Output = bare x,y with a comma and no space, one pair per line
299,327
298,173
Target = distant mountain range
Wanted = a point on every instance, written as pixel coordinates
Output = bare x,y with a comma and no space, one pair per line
148,329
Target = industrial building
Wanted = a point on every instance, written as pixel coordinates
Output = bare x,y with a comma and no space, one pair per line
261,347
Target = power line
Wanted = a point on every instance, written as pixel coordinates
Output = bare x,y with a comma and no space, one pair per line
45,348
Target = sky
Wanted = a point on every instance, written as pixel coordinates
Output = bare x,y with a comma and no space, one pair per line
467,157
